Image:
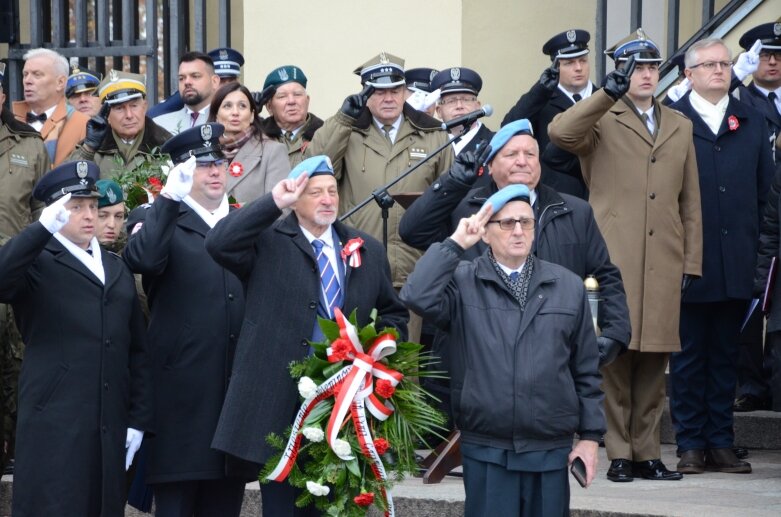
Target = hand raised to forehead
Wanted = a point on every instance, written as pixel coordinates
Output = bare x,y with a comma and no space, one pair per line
286,192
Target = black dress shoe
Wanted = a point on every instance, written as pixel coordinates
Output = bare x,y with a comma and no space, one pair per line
724,460
692,462
654,469
620,471
746,403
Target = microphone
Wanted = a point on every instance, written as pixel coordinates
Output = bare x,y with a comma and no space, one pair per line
469,118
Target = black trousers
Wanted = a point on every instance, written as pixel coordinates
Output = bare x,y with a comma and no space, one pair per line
203,498
279,500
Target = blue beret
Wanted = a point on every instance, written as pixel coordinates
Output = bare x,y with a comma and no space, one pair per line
110,193
314,166
75,178
202,141
420,78
457,79
227,62
81,80
285,74
768,33
500,139
515,192
567,45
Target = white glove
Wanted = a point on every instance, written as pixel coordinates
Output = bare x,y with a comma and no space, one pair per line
55,216
679,90
422,101
180,180
748,61
431,99
132,444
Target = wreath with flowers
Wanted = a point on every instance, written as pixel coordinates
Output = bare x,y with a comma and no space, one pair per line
362,417
143,178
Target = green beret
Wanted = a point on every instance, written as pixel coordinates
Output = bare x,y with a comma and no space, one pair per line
285,74
110,193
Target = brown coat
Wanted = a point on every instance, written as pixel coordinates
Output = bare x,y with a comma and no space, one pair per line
67,127
264,164
646,200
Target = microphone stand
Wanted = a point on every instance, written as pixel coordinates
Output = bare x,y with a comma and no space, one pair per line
384,199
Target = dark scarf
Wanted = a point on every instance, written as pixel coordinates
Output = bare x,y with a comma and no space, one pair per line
232,144
520,286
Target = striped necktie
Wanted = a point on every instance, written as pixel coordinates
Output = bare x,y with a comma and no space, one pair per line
332,292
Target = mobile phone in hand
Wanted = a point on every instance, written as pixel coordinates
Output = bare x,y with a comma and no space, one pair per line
578,469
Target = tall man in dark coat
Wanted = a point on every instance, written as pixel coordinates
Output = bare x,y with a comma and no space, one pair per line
85,387
275,259
196,308
560,86
735,170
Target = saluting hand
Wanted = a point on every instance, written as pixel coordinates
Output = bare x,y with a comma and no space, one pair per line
55,216
180,180
97,127
286,192
354,105
748,61
550,77
471,229
617,81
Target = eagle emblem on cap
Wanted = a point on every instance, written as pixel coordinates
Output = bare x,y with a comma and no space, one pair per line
777,29
641,34
431,75
223,54
81,169
571,36
112,197
206,132
455,74
113,76
283,75
384,59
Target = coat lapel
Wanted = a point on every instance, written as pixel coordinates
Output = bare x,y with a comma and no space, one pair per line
250,155
112,269
627,117
189,220
66,258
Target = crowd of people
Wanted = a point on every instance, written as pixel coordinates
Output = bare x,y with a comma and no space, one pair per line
157,341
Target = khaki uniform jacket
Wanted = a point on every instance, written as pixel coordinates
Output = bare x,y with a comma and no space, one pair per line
646,200
297,146
65,128
108,157
264,164
364,160
23,161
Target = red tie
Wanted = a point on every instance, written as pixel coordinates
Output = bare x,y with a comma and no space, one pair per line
194,116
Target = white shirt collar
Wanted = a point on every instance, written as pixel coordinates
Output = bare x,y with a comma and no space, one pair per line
584,93
38,125
465,138
327,237
93,262
394,131
509,271
210,218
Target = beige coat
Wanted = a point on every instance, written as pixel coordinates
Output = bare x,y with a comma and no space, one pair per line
65,128
646,200
364,160
264,163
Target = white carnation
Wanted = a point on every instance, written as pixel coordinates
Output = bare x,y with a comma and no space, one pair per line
313,434
307,387
342,448
317,489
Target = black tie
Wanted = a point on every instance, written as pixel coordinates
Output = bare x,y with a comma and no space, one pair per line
576,97
33,118
772,98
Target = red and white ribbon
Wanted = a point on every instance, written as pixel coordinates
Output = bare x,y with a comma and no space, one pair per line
352,250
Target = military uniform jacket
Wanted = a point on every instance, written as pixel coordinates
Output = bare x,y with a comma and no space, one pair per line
263,162
23,161
364,160
196,309
565,234
85,377
736,170
770,247
646,198
108,157
61,132
751,96
277,264
297,146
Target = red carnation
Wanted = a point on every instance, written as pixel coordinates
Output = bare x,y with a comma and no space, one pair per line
340,348
155,185
365,499
382,445
384,388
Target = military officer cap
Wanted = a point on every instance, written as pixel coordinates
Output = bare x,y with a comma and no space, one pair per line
567,45
75,178
500,139
514,192
420,79
457,79
315,166
118,87
382,71
203,142
768,33
81,80
227,61
636,44
110,193
285,74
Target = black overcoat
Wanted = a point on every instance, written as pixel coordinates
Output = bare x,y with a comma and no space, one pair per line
85,377
277,263
751,96
196,308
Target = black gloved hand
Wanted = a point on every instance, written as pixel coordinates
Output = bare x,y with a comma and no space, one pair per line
609,349
97,127
466,167
617,81
685,283
354,105
550,77
262,98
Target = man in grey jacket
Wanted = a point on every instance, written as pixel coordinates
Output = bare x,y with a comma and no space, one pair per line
524,369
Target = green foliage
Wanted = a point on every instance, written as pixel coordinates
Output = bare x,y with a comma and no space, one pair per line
145,173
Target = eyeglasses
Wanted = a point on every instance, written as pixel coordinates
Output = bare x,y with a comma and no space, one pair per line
710,66
447,101
765,55
509,223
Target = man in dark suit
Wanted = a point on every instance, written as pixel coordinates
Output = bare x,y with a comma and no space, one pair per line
276,260
85,389
735,172
560,86
196,308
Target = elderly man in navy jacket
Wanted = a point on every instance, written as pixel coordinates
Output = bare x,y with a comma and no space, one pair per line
735,172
